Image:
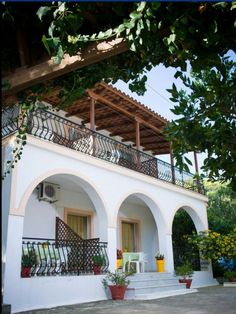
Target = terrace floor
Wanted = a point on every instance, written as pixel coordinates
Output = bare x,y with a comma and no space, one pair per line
214,300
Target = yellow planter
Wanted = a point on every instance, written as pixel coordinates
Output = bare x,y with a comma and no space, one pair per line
160,265
119,263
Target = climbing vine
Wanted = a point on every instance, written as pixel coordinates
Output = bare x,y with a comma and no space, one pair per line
157,33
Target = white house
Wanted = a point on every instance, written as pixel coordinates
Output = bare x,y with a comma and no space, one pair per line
93,169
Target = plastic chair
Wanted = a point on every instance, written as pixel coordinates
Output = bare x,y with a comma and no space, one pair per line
139,262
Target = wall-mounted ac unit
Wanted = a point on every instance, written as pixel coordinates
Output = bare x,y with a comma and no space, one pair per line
48,192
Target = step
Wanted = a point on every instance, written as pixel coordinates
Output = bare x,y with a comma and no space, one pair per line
152,282
157,288
164,294
154,285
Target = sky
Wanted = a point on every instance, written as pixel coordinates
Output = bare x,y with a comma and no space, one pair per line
157,99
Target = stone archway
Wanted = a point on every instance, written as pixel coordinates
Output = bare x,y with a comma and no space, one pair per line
140,227
76,197
185,222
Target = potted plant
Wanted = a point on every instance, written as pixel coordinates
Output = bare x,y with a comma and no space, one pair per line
185,272
98,262
160,262
230,275
117,283
119,259
28,260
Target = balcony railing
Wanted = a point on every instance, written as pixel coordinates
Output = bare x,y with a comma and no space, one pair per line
45,257
51,127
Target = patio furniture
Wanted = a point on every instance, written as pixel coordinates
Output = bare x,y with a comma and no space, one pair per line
134,258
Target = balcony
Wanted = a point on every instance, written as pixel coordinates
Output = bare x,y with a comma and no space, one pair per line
51,127
68,254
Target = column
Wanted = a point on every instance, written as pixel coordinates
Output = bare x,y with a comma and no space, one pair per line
111,248
92,114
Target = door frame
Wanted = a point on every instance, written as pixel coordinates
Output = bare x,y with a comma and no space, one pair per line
133,221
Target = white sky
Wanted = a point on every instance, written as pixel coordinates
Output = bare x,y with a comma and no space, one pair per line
157,97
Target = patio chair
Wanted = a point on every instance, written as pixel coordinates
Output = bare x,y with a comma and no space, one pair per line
137,261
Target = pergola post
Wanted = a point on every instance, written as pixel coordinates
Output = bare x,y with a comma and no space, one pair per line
172,166
92,114
92,122
196,170
137,134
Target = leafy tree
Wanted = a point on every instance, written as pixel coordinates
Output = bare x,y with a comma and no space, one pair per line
214,245
207,120
157,33
221,207
183,227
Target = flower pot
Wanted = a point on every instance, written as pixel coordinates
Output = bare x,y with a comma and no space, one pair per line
25,272
188,282
118,292
160,265
119,263
97,269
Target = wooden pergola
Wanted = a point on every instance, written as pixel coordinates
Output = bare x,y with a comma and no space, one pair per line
106,108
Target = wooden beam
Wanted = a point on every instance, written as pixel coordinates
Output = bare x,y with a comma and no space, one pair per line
48,70
107,126
122,110
157,147
150,140
156,144
161,152
124,133
101,119
137,135
130,100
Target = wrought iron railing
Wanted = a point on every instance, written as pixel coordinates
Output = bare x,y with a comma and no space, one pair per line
48,258
51,127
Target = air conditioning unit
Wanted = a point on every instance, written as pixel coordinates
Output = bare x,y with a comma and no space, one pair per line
48,192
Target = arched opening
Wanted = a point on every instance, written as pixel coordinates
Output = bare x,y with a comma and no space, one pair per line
65,225
182,227
139,225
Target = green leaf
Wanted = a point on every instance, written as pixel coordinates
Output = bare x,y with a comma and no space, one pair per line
44,41
108,32
135,15
141,6
178,74
132,47
42,11
51,29
188,161
171,38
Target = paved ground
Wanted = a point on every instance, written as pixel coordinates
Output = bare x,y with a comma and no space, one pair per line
210,300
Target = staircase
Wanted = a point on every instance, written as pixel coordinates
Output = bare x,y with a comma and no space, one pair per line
154,285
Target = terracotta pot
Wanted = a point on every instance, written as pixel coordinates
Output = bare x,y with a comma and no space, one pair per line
25,272
187,281
118,292
97,269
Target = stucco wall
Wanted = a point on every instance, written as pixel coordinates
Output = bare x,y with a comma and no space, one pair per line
107,187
